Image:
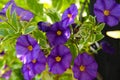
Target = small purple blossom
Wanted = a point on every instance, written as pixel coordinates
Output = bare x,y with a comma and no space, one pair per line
25,47
44,26
27,70
22,14
69,15
36,66
59,59
85,67
11,2
6,75
107,47
107,11
57,34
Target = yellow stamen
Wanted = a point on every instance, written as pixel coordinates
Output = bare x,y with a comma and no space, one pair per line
82,68
34,61
30,48
59,32
58,58
106,12
69,15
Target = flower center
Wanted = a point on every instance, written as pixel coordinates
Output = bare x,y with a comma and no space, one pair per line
59,32
82,68
69,15
58,58
30,48
34,61
106,12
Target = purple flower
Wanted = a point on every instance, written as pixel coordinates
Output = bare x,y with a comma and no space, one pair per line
25,47
27,70
107,47
44,26
11,2
57,34
59,59
85,67
7,72
69,15
23,14
36,66
107,11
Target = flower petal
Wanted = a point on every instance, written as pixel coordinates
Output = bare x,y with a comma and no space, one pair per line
99,5
87,59
57,69
110,2
63,50
51,37
78,60
38,67
115,12
92,69
51,61
76,71
112,21
85,76
66,60
99,15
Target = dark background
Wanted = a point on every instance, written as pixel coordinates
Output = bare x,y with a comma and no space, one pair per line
108,64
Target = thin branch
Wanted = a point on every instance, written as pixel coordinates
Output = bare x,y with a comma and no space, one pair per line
82,9
11,25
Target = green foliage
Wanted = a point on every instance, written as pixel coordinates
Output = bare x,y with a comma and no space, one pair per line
12,27
89,33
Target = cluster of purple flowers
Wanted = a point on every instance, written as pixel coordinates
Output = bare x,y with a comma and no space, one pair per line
59,60
85,67
28,51
57,34
107,11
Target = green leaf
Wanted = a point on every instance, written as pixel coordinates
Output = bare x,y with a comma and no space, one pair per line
29,29
92,19
66,77
54,16
15,22
2,62
41,38
35,7
16,74
100,27
3,32
92,38
11,37
99,36
46,76
73,50
3,25
58,5
8,13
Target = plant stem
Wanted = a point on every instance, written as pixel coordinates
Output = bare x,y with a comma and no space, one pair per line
82,9
11,26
